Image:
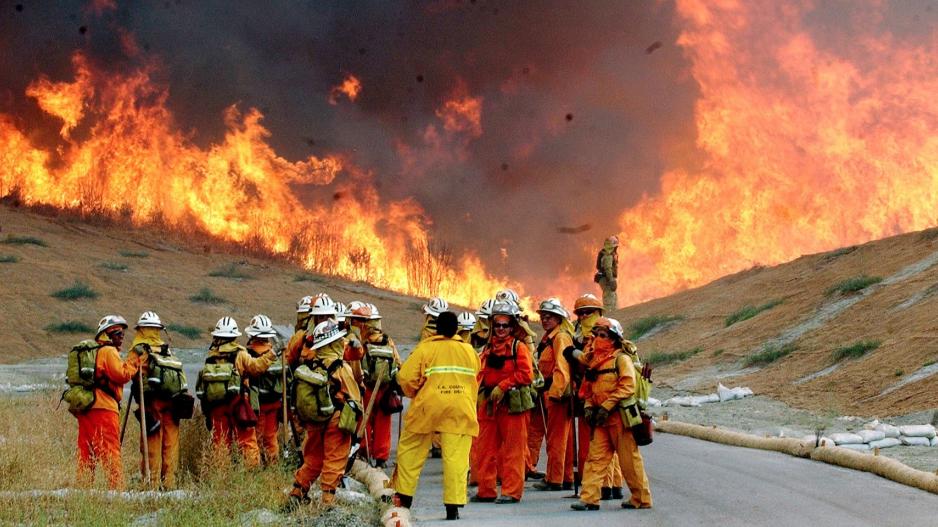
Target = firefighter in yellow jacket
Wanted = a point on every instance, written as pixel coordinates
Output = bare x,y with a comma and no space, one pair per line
440,375
327,401
609,392
607,271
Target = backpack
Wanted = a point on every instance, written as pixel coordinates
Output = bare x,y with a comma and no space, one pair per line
311,390
80,375
219,379
270,385
374,353
165,377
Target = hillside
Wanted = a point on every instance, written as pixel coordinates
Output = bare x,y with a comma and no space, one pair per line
811,322
132,271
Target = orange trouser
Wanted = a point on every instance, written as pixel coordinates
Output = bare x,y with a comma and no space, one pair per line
378,431
99,440
558,433
536,432
502,446
162,446
224,431
615,438
268,422
325,453
614,475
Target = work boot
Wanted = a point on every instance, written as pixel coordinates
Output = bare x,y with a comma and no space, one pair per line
402,500
481,499
617,493
506,499
533,474
327,498
580,506
436,453
546,485
296,499
567,485
452,512
629,505
605,494
381,463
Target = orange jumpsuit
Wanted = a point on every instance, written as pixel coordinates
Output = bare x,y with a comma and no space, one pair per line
270,414
502,442
98,428
326,449
614,385
556,400
224,427
377,443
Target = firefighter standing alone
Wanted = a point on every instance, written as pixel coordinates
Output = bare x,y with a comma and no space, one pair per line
607,271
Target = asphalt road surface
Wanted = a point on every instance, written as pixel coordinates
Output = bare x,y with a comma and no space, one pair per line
696,482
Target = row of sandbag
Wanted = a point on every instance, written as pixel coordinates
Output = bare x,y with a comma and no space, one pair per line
881,435
723,394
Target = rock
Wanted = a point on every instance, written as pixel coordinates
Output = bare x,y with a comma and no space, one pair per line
151,519
261,517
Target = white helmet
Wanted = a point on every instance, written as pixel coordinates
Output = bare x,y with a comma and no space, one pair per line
326,332
322,305
506,308
553,306
507,295
226,327
435,306
149,319
466,321
356,309
303,306
616,329
109,321
341,312
261,326
375,314
485,310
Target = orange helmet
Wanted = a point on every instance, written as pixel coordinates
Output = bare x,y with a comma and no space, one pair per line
587,301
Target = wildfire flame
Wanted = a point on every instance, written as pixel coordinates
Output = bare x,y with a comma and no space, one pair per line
134,162
806,149
350,87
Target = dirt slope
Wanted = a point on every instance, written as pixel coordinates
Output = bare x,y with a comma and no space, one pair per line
898,312
172,270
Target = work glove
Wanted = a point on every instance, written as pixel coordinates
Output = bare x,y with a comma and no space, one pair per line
496,395
600,415
572,355
646,371
588,414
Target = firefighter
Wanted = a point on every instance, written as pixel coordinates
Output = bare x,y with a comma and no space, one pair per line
381,360
432,309
607,271
466,321
161,386
611,406
325,392
441,376
98,430
223,381
558,336
270,387
504,400
482,328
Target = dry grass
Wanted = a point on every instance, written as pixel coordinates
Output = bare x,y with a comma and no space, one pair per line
41,456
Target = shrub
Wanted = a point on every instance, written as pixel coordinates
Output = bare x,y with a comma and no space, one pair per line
206,296
899,372
231,271
856,350
134,254
661,359
77,291
644,325
770,354
114,266
749,311
190,332
9,258
23,240
306,277
852,285
71,326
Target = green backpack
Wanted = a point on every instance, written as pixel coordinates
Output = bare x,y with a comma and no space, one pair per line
311,393
270,385
80,376
219,380
165,377
374,354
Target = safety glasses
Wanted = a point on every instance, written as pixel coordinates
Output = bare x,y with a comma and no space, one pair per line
601,334
499,325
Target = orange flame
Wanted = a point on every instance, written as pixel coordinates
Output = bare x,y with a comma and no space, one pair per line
806,149
350,87
134,162
462,114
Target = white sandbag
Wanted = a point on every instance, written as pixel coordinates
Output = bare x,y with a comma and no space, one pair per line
871,435
846,438
710,398
724,393
826,442
918,431
862,447
652,402
888,442
934,441
742,392
682,401
811,440
889,430
872,425
915,441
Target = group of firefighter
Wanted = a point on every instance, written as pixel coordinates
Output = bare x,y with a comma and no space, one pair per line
484,398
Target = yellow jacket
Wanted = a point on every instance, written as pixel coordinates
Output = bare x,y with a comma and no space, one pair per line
440,375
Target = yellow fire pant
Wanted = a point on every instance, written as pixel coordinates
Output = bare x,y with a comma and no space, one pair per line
412,454
614,437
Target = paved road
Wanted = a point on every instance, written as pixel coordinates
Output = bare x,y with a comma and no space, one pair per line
701,483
